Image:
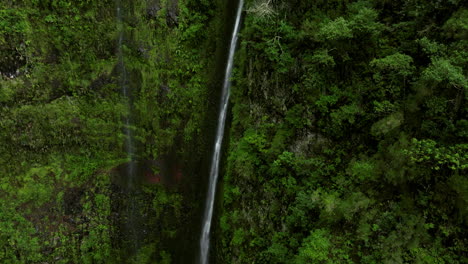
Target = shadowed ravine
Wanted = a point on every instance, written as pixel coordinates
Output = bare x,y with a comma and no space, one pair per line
214,171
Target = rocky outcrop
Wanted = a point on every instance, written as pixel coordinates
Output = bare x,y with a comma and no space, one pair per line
152,9
172,15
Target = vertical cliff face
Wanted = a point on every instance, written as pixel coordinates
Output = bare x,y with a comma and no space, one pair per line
62,133
346,138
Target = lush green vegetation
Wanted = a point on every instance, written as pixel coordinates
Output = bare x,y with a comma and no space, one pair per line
61,123
348,138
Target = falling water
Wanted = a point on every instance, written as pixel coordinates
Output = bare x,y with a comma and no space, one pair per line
214,171
123,82
130,214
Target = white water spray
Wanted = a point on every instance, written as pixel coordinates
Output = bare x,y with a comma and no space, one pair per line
214,171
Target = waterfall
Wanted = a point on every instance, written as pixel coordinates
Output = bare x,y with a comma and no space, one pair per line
123,82
131,208
214,171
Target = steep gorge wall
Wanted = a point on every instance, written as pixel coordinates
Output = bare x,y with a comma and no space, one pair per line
61,139
346,143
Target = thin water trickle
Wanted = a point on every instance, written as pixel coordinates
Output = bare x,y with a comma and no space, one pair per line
131,207
123,82
214,171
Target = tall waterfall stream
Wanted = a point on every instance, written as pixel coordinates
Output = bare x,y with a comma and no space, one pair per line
214,171
130,213
123,82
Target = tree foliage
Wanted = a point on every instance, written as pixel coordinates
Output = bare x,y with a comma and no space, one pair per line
359,144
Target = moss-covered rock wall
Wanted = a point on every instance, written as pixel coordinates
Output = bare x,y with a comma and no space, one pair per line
62,118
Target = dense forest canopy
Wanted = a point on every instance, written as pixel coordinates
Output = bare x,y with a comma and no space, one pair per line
346,139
